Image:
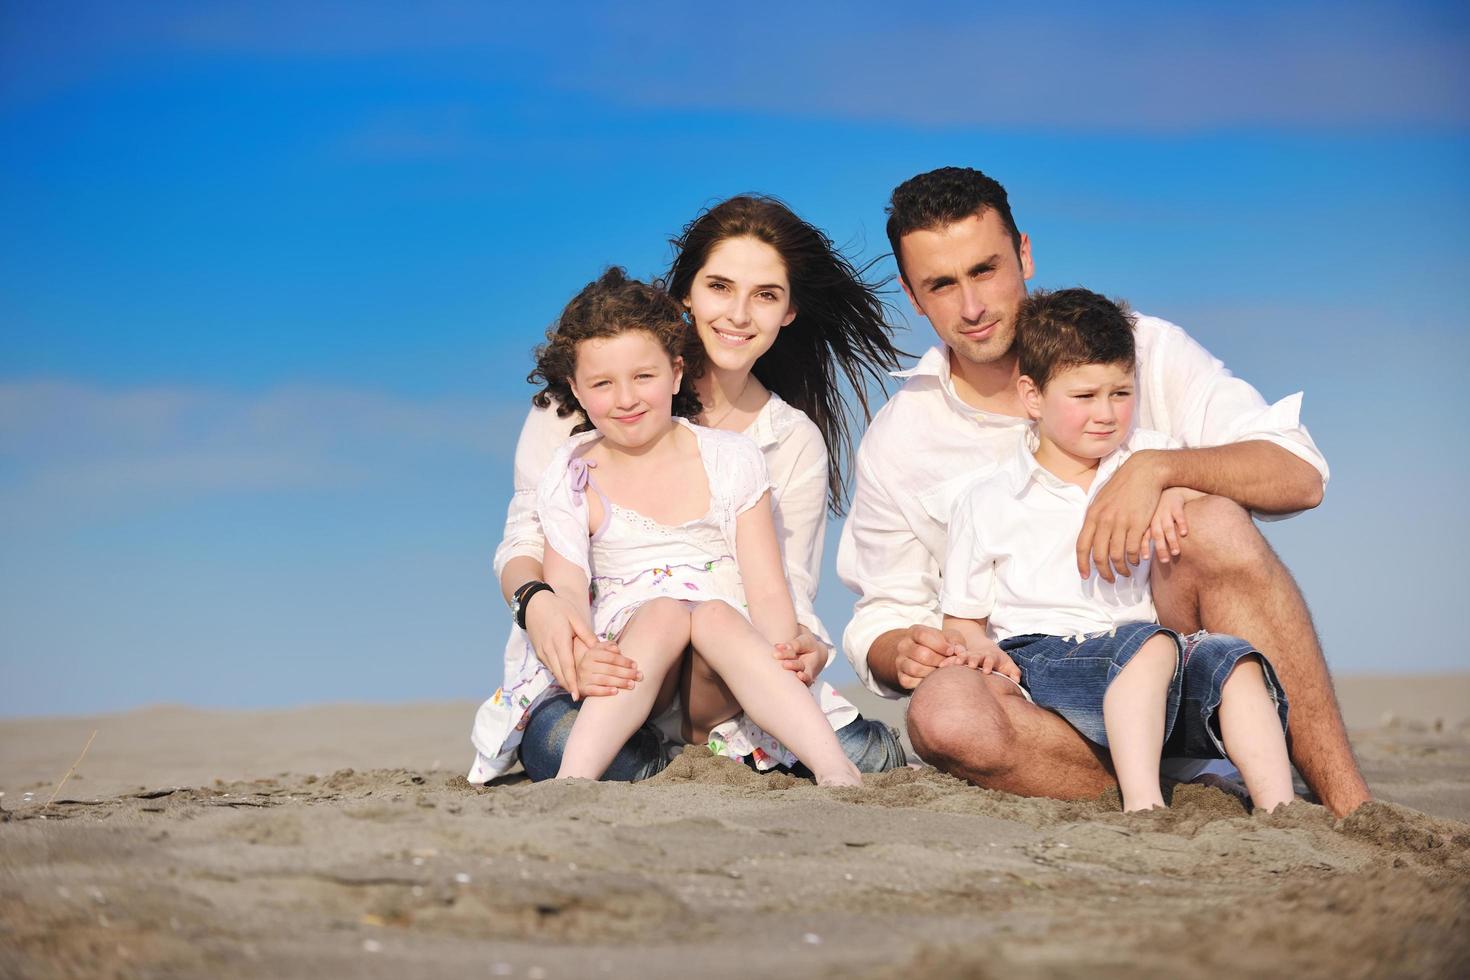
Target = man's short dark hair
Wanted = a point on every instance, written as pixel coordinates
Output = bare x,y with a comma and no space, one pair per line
1068,328
942,197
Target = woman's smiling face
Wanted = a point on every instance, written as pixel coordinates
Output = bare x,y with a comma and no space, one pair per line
740,299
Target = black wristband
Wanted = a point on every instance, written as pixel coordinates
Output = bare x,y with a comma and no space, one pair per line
522,597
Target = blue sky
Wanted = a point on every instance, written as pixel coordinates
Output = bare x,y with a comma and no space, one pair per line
271,274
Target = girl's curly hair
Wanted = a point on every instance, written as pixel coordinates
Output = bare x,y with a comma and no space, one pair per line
611,305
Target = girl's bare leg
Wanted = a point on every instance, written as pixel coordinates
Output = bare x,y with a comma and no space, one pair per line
655,639
1251,731
1133,714
772,696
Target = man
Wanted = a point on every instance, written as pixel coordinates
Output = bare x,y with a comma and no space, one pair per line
963,265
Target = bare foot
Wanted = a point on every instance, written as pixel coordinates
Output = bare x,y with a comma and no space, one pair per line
841,777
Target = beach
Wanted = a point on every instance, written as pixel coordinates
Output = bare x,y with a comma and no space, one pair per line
343,840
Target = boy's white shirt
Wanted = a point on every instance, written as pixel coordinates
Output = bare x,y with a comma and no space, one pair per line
926,445
1011,555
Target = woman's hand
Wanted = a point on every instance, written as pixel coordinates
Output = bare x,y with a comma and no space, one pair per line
554,626
602,671
804,654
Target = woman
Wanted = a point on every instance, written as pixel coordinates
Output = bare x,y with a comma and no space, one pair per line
783,318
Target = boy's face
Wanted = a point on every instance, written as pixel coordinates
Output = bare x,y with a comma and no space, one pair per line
1085,411
968,279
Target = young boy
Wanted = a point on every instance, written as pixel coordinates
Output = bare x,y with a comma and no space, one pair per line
1088,649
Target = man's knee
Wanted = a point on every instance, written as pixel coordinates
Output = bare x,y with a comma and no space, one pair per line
958,719
1222,539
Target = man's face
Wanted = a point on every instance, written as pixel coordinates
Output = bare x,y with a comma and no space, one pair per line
968,280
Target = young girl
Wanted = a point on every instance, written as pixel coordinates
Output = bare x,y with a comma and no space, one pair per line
661,535
776,318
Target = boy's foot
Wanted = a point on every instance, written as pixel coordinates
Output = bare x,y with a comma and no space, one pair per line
841,777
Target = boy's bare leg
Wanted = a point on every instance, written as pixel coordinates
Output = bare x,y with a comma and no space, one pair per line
773,697
1134,711
1228,580
1251,731
655,639
981,728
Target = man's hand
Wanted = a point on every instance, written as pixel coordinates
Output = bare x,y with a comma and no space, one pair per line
553,625
602,670
1120,518
804,654
922,651
1168,525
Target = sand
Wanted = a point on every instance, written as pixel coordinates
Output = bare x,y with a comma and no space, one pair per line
343,840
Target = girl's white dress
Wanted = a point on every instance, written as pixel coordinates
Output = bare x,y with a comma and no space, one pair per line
631,559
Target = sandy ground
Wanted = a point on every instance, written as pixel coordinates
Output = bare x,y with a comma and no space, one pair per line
342,840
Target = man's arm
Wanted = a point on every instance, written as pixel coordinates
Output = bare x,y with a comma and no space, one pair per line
1237,446
1258,475
902,658
896,577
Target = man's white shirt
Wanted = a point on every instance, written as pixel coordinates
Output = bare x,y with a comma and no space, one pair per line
1012,551
926,445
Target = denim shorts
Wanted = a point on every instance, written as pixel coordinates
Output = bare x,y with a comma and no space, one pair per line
1072,677
872,746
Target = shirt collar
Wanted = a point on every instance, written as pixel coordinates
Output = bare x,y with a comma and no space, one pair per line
1023,467
761,429
935,364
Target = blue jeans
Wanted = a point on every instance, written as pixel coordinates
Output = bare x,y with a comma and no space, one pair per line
872,746
1071,678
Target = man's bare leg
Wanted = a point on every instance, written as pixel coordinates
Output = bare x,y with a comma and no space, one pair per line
1228,580
981,728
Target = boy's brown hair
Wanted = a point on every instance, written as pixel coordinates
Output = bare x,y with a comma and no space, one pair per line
1067,328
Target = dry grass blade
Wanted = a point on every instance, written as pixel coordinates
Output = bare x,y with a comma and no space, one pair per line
72,769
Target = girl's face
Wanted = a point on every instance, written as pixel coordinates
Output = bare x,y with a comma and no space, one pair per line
740,299
626,385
